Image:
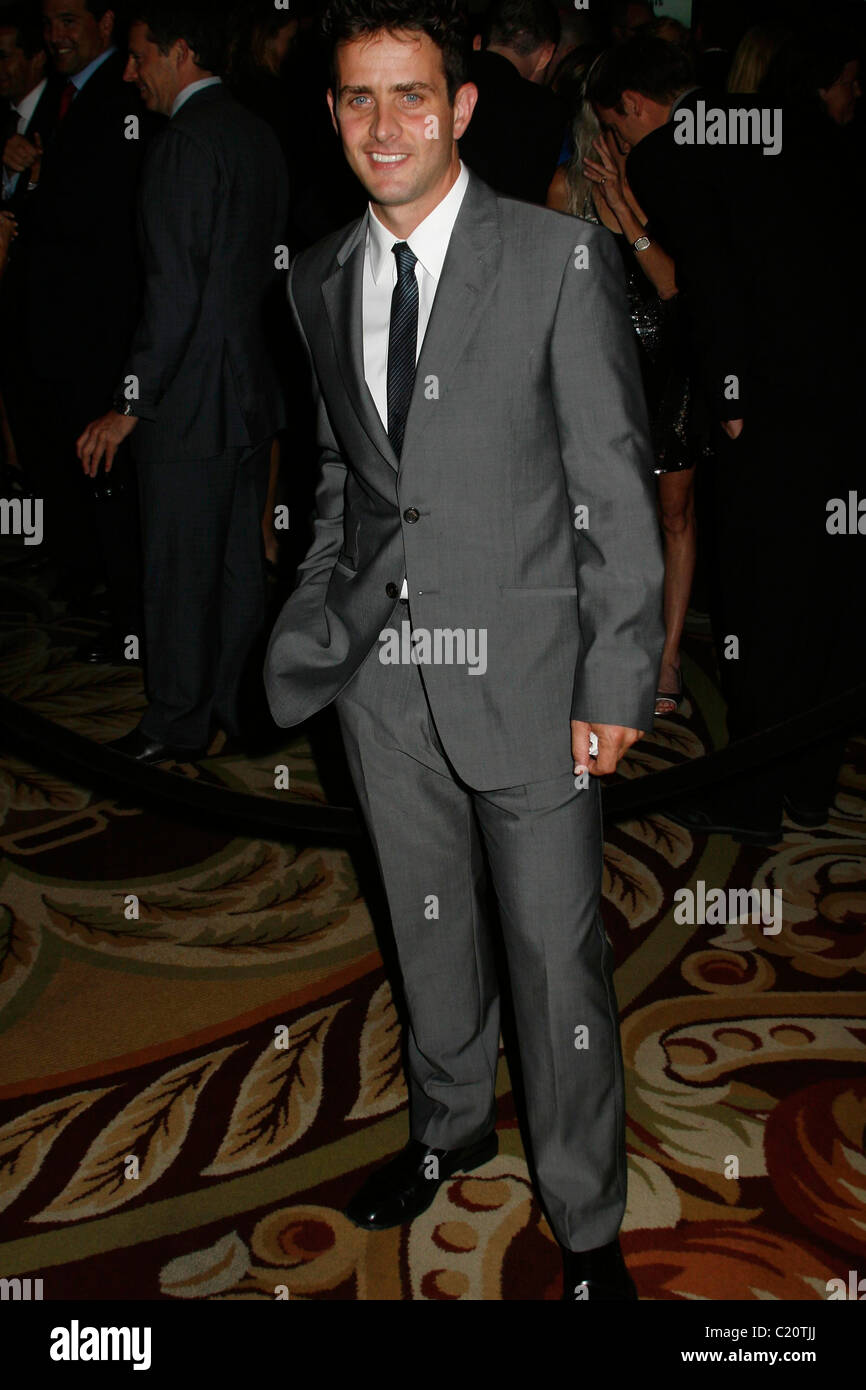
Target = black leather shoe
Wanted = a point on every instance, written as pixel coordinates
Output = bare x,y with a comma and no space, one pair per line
402,1189
148,750
705,818
109,649
599,1275
809,816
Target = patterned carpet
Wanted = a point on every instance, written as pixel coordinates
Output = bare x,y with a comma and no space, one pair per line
193,1086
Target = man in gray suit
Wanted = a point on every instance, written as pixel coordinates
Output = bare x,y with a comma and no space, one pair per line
198,387
482,596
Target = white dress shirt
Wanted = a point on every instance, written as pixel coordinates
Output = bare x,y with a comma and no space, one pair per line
429,243
184,96
24,110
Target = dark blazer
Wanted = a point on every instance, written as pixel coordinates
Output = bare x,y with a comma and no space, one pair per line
514,139
776,301
213,210
82,269
527,403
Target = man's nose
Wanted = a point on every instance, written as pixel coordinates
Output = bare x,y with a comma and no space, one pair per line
384,124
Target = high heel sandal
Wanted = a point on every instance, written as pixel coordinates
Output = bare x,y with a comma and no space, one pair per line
672,697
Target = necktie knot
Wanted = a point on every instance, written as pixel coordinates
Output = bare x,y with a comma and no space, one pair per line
406,259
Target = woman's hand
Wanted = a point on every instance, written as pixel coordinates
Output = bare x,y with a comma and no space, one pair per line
607,172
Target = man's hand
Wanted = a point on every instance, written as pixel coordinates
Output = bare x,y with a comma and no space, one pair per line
733,428
614,742
19,153
103,437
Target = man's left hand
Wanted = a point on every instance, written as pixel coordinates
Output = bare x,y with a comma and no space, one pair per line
614,742
103,438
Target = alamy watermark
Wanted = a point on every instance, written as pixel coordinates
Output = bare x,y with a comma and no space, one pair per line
717,907
715,125
22,517
439,646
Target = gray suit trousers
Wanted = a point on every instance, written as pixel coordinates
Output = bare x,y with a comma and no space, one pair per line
544,847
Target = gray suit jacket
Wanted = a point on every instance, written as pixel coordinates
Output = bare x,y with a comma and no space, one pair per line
212,210
527,404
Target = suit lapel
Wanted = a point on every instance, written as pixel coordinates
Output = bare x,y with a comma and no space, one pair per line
465,286
343,294
467,280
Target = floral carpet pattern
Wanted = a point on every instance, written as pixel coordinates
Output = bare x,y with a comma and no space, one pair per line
200,1053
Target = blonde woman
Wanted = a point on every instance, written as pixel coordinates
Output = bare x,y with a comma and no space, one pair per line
755,51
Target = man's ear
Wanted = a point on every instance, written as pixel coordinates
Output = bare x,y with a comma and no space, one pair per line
107,25
633,103
464,104
333,112
545,53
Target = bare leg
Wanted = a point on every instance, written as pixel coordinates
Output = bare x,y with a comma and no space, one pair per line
677,513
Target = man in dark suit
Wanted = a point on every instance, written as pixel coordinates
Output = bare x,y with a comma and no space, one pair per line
515,137
80,287
482,596
198,386
31,99
777,355
28,113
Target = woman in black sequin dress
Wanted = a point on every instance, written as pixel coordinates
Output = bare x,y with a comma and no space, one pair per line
593,186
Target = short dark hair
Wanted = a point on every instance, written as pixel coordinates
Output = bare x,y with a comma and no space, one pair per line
645,64
201,24
523,25
27,24
443,21
100,7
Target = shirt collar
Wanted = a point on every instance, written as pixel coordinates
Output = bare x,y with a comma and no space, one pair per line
428,242
190,91
27,105
681,98
79,78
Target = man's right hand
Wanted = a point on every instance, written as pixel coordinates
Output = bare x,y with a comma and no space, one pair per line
19,154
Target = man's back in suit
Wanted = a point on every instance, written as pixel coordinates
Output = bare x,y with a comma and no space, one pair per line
515,137
197,385
212,215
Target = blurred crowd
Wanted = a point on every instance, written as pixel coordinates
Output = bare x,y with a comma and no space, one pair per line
742,264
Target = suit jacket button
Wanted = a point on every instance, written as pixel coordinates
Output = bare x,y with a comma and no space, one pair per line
391,590
411,514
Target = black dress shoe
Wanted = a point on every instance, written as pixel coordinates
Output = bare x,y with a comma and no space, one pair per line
809,816
109,649
599,1275
408,1184
707,817
149,750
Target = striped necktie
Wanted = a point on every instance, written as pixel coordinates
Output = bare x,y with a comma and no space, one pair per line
402,343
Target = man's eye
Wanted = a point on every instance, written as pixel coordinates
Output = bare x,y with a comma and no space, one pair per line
413,97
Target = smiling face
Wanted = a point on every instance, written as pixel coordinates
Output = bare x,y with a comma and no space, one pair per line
398,128
73,36
155,74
